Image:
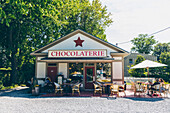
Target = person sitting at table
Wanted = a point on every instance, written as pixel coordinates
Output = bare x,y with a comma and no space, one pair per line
47,80
157,82
161,83
152,86
148,83
49,86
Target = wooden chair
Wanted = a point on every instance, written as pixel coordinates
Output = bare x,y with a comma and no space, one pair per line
103,87
97,88
165,89
156,89
139,88
132,85
114,89
58,88
122,89
76,88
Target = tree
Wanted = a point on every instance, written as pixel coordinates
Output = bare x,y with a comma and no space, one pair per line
21,21
163,72
139,59
81,14
137,72
162,51
143,44
28,25
161,48
165,59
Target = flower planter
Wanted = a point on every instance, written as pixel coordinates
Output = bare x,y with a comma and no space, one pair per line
36,91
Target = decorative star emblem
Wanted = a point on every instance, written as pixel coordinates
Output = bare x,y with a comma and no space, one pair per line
78,42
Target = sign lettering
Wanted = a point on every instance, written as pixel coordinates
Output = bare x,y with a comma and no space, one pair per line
77,53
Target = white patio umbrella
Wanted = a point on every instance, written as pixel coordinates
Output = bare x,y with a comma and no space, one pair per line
147,64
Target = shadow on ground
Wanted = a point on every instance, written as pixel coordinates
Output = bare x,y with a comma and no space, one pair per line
145,99
23,92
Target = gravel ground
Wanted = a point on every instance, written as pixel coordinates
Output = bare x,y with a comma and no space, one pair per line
19,102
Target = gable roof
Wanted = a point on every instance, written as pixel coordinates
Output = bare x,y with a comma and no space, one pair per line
74,33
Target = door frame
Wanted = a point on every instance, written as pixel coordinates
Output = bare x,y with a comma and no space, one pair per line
91,67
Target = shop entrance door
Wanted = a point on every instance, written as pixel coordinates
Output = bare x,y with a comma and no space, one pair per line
89,76
52,73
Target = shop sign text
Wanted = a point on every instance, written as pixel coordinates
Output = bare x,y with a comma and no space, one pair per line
77,53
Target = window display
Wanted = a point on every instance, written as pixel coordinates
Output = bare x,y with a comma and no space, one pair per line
103,72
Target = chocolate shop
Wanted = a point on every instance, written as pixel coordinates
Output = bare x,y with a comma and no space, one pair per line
82,57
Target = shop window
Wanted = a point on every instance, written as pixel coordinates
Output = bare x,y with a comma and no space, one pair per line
103,73
131,61
52,64
76,72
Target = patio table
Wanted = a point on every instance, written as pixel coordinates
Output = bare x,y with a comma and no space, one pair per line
67,87
107,85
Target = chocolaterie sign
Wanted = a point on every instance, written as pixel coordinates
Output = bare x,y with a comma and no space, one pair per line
76,53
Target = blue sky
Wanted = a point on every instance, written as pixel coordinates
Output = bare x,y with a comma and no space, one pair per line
133,17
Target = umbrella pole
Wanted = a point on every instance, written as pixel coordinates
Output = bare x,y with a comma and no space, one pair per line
148,73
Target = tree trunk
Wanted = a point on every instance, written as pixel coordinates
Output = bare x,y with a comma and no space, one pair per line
14,70
13,58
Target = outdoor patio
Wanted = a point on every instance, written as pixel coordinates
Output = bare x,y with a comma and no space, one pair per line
129,94
18,101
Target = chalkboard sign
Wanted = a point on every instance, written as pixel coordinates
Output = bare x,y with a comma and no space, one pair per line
60,79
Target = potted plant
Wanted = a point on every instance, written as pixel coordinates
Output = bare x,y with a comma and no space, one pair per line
35,86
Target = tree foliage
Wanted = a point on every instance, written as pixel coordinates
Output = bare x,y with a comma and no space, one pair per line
161,48
137,72
162,72
143,44
139,59
81,14
22,21
162,52
28,25
165,59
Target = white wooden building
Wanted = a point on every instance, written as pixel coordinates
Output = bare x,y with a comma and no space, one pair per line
84,54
